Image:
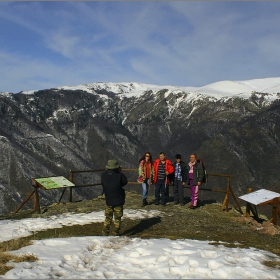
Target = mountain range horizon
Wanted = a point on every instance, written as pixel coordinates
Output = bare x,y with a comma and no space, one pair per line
220,89
233,126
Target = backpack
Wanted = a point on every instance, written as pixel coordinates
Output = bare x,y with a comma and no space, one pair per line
205,178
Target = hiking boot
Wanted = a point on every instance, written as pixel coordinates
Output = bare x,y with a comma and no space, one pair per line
192,207
144,203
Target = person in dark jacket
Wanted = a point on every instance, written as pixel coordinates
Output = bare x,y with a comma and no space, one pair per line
195,178
112,181
179,178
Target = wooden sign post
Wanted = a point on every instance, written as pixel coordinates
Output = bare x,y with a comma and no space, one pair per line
259,198
47,183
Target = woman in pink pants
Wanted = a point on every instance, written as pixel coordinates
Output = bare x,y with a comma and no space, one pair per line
195,178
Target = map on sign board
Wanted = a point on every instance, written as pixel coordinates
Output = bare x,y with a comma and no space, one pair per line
54,182
259,196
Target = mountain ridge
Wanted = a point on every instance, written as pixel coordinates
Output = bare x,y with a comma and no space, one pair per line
218,90
48,132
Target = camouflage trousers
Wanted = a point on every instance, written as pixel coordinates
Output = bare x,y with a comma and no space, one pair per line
110,211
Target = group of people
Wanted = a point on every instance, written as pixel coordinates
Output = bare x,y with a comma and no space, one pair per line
161,172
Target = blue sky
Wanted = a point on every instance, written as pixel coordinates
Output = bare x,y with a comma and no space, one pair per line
184,43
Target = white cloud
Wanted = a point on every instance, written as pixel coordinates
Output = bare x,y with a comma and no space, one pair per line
65,45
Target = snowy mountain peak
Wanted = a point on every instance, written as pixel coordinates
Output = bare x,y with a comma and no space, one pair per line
270,87
127,89
218,90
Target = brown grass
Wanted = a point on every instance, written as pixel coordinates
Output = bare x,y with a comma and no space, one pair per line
6,256
272,264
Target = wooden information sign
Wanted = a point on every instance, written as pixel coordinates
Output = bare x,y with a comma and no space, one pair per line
53,182
47,183
259,198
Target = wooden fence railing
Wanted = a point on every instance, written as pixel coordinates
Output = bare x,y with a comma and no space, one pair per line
228,191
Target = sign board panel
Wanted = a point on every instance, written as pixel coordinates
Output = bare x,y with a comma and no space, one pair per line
54,182
259,196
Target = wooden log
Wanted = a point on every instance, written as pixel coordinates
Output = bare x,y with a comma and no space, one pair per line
236,201
85,171
225,203
24,201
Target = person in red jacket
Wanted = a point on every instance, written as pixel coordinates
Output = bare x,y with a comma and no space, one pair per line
163,168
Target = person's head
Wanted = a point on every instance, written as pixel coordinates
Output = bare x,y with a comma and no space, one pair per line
147,157
112,164
192,158
178,158
162,156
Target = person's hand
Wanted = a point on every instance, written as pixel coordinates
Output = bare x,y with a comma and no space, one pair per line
183,183
167,173
199,183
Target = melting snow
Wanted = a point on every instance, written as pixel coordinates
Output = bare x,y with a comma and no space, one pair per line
121,257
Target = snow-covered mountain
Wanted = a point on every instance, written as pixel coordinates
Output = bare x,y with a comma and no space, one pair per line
223,89
233,126
218,90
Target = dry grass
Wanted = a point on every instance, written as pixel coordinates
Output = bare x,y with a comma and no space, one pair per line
272,264
6,256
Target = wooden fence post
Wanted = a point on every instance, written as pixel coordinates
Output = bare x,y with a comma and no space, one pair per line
71,180
274,210
24,201
249,190
36,201
225,203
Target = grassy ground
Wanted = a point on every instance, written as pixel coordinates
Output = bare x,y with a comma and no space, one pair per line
207,222
6,257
